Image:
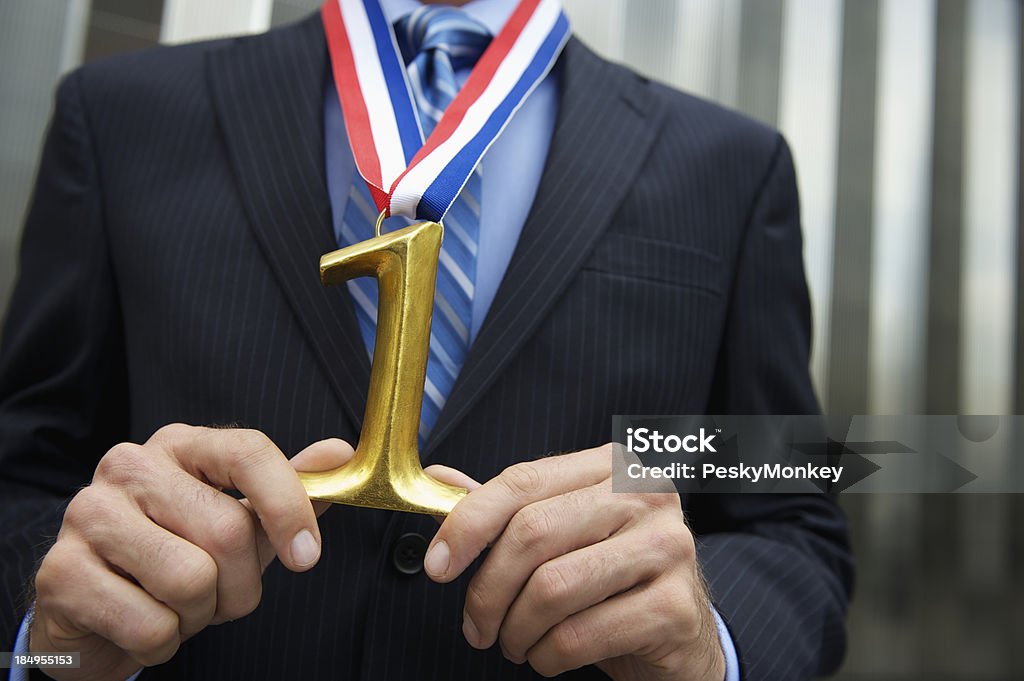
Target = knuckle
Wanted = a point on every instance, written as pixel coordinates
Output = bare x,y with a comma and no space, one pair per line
232,533
80,509
154,640
122,465
567,641
458,517
173,432
523,479
672,604
686,545
251,453
465,522
529,527
660,500
674,543
661,545
606,453
551,584
251,446
89,506
476,601
56,568
638,502
193,579
46,578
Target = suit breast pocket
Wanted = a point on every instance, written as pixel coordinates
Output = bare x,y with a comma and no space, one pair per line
645,317
658,262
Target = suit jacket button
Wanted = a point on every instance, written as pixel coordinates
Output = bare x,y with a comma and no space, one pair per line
407,553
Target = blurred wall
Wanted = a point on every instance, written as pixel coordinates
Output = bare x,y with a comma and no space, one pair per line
905,121
39,39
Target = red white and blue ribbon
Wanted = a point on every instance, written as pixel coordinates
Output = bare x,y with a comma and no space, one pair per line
407,175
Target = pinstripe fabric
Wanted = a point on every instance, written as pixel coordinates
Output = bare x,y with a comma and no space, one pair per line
623,124
169,273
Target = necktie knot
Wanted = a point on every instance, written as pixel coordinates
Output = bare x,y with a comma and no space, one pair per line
433,29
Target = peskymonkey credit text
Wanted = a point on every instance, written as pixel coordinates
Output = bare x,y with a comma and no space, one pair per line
708,471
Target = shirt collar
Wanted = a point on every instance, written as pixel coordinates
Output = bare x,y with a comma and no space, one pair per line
491,13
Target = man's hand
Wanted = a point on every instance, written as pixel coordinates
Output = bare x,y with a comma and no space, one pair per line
579,575
153,551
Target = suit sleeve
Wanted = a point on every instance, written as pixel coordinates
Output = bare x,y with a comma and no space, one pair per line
779,567
62,387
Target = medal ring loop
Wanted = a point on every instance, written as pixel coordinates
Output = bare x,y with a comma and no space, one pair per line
380,223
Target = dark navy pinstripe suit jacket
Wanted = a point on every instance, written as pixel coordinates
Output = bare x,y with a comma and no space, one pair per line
169,273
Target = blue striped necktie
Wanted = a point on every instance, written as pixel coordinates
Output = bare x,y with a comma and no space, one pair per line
436,41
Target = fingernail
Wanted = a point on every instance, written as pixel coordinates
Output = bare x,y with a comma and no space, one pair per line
437,559
305,549
470,631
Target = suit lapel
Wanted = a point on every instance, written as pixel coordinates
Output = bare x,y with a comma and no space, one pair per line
268,94
605,129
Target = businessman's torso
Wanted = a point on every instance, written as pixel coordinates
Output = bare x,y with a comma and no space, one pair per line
209,161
